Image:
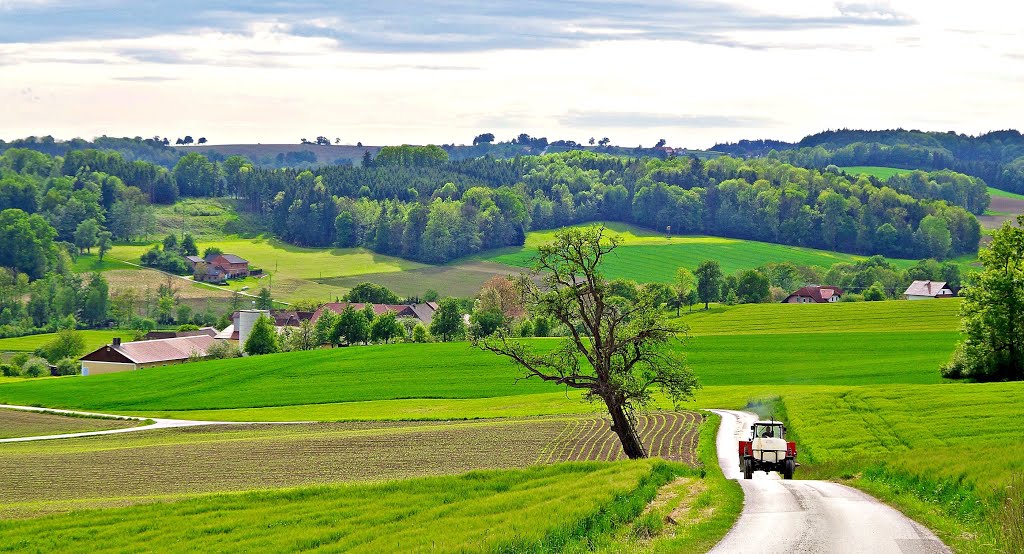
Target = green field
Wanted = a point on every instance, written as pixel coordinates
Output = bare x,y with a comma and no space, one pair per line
882,173
645,256
93,340
1005,194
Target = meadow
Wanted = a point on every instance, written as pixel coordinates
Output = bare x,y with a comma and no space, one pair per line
877,172
645,256
93,340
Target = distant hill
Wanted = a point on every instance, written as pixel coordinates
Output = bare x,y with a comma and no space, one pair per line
285,154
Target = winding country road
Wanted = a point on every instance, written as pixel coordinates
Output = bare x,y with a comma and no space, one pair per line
158,423
810,516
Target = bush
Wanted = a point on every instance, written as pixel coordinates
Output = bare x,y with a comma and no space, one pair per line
419,333
35,367
541,327
8,370
223,349
852,297
68,366
67,344
525,329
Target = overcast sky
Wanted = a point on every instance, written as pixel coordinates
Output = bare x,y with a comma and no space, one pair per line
442,71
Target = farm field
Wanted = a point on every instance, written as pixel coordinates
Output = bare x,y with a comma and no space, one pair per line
241,457
645,256
1004,206
93,340
463,279
481,510
18,423
878,172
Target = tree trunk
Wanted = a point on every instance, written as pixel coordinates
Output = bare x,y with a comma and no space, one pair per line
622,427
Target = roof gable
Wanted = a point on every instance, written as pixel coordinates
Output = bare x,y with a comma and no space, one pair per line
928,288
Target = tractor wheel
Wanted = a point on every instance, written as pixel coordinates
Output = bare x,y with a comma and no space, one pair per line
748,468
787,468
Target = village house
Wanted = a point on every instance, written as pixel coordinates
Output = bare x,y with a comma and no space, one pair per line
130,356
814,294
218,267
927,290
423,311
282,319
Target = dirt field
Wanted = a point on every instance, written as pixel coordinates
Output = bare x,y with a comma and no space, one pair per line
129,468
462,279
18,423
999,204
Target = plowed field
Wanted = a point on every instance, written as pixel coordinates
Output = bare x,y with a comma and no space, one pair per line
670,435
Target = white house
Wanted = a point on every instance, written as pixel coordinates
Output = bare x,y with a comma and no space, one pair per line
926,290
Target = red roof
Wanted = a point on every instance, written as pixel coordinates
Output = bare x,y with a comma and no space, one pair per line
816,293
165,350
401,310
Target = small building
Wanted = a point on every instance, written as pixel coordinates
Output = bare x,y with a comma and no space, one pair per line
130,356
232,265
814,294
193,261
282,319
927,290
423,311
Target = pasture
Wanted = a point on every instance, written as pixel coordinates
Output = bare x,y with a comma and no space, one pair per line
881,173
93,340
645,256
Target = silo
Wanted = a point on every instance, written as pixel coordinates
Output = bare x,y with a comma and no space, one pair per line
246,320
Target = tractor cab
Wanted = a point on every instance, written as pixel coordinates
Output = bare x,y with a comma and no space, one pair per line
767,430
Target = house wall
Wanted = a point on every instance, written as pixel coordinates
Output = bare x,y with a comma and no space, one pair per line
917,297
99,368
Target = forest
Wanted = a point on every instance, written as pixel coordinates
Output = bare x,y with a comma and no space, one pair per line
417,203
996,157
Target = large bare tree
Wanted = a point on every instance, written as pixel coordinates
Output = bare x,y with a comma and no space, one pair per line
617,351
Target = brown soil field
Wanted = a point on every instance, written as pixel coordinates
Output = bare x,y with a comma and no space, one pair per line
462,279
19,423
58,475
1001,204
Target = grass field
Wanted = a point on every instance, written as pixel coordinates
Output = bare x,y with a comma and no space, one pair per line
1005,194
882,173
645,256
93,340
520,510
18,423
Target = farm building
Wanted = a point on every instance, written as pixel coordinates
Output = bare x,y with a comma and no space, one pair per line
926,290
423,311
130,356
814,294
281,318
153,335
219,267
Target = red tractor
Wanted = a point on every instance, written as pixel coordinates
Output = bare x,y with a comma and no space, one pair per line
767,450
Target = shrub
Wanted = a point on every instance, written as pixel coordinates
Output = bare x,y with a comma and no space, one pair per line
36,367
68,366
525,329
419,333
223,349
8,370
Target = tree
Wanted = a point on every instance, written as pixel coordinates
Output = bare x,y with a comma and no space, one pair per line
992,313
629,345
683,288
85,235
486,321
303,337
323,329
661,142
263,338
385,327
753,287
447,323
212,251
419,333
709,281
103,240
68,343
202,140
170,243
604,142
263,300
351,327
372,293
591,141
485,138
187,140
188,245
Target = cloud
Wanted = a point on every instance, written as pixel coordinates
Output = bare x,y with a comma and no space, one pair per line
146,78
428,25
649,119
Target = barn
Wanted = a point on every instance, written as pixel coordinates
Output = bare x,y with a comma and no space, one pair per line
129,356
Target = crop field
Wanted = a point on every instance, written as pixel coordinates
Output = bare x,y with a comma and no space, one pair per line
520,510
29,343
824,318
19,423
463,279
645,256
669,435
882,173
241,457
1003,207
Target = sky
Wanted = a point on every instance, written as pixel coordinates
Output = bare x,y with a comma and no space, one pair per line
443,71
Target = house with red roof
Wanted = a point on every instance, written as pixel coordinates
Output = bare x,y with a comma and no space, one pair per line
814,294
130,356
423,311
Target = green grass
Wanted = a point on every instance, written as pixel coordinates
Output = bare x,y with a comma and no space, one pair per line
93,340
882,173
645,256
89,263
538,509
1005,194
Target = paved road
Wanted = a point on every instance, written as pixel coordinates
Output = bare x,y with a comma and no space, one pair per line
158,423
810,516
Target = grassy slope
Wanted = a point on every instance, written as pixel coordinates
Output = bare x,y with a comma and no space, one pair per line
646,256
93,340
882,173
1005,194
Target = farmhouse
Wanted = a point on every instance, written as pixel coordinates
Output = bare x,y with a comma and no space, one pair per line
129,356
814,294
926,290
423,311
282,319
219,267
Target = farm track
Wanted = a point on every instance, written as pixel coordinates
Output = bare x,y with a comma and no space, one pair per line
669,435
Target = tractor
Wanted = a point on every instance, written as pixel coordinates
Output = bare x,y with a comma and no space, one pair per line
767,450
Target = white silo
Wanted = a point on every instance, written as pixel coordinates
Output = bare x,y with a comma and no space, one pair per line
246,320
